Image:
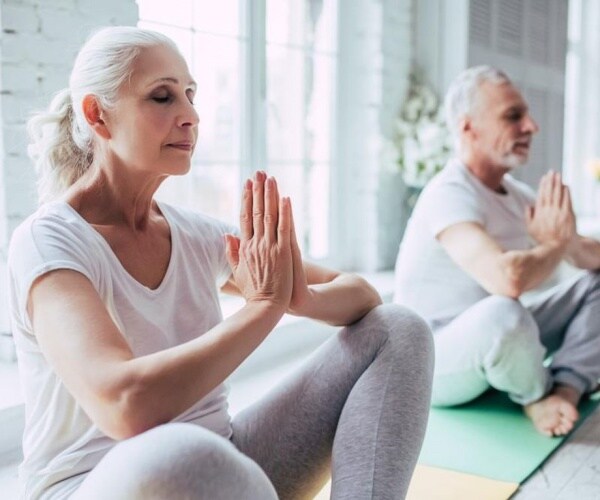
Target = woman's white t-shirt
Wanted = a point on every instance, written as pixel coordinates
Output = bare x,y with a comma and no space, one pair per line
60,440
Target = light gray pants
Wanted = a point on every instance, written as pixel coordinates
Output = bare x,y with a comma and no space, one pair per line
501,343
357,408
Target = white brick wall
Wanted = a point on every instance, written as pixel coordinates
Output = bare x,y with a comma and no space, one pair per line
19,18
39,41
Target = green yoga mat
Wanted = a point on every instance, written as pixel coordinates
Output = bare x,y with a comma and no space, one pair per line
490,437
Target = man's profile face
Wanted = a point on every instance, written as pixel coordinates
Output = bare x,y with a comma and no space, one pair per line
501,127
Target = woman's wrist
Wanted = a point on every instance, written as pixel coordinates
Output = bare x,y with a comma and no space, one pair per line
302,305
268,307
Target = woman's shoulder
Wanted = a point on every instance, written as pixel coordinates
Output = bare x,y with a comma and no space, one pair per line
52,218
53,237
52,228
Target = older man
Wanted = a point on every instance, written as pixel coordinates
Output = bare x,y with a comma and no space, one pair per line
477,240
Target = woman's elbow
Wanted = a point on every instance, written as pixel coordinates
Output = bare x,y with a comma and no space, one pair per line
121,414
124,423
371,295
371,298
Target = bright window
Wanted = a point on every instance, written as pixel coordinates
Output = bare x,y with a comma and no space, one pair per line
266,94
582,113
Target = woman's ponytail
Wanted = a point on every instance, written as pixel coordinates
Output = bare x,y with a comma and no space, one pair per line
59,160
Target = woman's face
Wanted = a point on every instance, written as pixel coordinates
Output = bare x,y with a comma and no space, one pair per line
153,127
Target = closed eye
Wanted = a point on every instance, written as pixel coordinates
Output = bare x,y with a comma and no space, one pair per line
162,99
190,95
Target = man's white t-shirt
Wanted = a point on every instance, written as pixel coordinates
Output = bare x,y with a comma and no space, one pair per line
427,280
60,440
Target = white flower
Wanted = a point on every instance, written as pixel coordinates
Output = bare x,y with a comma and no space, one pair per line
431,104
421,139
413,109
431,137
389,155
404,129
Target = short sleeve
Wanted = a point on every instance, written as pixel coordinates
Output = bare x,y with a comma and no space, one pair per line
450,203
36,248
223,269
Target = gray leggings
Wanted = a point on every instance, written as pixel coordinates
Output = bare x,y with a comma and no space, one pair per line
356,409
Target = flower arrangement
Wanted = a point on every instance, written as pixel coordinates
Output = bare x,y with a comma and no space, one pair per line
421,144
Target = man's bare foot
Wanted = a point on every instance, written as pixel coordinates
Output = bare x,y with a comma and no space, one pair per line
556,414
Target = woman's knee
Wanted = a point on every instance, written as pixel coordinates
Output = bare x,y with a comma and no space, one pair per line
179,460
402,328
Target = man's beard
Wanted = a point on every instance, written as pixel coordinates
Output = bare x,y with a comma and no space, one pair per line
514,160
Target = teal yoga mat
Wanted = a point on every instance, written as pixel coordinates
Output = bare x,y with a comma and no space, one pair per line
490,437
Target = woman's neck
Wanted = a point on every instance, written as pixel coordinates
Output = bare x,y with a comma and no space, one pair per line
106,196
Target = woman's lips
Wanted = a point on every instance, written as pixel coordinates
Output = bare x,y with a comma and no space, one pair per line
184,146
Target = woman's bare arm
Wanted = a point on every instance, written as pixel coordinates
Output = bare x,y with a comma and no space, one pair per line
122,394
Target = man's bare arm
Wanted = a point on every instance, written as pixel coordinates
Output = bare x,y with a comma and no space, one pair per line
551,223
500,272
584,253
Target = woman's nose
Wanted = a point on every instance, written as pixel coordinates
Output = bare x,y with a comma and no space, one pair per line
189,116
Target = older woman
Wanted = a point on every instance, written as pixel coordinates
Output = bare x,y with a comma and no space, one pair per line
121,343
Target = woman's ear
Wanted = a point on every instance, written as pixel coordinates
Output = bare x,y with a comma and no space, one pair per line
93,115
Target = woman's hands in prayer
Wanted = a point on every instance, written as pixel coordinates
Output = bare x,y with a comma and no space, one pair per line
262,259
268,268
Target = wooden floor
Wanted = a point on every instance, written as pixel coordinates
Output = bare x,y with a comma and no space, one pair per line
573,471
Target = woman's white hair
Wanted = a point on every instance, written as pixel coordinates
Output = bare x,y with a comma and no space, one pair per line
462,94
61,139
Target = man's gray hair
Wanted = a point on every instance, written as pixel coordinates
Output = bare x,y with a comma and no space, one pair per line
461,96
